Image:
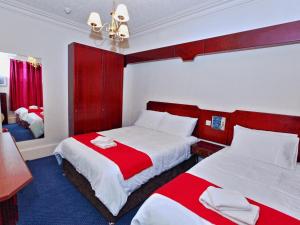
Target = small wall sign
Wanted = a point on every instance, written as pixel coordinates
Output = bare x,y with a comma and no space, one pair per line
218,122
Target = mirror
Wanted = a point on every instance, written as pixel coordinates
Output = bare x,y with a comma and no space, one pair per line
21,96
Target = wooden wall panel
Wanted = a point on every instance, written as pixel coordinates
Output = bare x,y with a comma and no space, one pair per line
71,80
259,38
189,51
150,55
95,89
87,84
282,34
112,90
207,132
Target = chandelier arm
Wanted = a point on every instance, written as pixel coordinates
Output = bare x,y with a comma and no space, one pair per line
106,26
96,29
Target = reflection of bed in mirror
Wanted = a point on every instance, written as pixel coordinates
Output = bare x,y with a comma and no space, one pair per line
31,118
22,89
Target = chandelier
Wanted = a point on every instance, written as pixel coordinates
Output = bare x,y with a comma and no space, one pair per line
117,29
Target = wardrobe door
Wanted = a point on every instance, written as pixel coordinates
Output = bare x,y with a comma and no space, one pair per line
87,84
112,90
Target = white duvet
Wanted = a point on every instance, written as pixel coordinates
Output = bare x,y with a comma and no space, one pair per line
268,184
111,189
36,124
21,112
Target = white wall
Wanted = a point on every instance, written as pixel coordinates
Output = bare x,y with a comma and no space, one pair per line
25,35
251,15
265,80
262,80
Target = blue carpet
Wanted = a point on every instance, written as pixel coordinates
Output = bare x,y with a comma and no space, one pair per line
52,200
19,132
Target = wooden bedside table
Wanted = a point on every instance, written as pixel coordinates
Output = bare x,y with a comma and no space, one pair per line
204,149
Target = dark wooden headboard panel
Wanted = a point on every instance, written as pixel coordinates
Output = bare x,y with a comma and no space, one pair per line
254,120
265,121
177,109
208,133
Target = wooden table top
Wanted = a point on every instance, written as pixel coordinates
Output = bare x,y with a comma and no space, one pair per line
14,173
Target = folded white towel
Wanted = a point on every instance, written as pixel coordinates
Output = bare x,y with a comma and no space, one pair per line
222,199
241,217
106,145
102,139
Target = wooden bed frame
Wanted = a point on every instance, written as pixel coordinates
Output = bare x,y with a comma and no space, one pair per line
136,198
254,120
22,122
140,195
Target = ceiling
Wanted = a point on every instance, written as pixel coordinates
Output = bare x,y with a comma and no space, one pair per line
144,14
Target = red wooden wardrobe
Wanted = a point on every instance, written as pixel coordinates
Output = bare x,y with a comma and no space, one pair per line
95,89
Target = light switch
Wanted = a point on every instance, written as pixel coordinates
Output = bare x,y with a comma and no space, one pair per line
208,123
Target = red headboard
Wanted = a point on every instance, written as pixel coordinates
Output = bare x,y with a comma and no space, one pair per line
265,121
254,120
208,133
177,109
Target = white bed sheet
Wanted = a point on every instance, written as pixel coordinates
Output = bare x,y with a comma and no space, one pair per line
111,189
22,113
36,124
270,185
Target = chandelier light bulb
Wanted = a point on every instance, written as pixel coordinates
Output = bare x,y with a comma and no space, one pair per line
94,20
123,31
121,14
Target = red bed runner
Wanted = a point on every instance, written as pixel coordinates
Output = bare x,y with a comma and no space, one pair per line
129,160
187,188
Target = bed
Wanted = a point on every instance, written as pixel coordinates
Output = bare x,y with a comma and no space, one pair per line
35,122
270,185
31,118
261,165
21,113
100,180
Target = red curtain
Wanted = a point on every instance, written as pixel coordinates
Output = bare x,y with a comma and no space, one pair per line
25,86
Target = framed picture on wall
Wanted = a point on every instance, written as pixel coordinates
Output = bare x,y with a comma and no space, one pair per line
218,123
3,81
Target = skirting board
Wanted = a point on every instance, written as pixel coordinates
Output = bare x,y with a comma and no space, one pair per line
38,152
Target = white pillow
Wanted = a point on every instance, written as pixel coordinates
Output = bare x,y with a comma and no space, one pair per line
150,119
280,149
178,125
33,107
